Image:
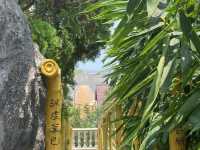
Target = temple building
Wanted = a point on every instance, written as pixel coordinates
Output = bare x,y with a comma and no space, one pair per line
90,91
101,93
84,99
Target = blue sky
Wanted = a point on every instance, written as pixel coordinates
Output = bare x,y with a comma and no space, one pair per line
96,65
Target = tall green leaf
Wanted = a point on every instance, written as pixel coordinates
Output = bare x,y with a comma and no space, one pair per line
188,31
184,111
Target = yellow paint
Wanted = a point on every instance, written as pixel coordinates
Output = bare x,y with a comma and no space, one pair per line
177,139
70,141
53,134
100,138
63,134
68,138
105,133
118,125
110,132
136,144
66,135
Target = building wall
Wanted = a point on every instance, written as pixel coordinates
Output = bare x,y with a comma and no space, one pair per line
84,99
89,91
101,93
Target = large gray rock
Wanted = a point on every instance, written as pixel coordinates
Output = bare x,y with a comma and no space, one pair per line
21,88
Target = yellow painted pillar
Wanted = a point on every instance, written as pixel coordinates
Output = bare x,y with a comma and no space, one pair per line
177,139
110,132
100,138
68,139
105,133
64,134
136,144
112,127
53,135
117,126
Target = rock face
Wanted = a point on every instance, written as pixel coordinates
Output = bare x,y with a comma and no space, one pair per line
22,93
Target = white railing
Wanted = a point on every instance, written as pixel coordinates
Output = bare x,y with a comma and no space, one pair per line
84,139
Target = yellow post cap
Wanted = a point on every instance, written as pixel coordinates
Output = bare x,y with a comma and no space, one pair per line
49,68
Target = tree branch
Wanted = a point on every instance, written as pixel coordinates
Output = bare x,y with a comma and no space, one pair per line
28,5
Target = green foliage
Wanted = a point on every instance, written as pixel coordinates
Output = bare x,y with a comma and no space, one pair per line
154,54
74,118
45,36
73,114
64,33
90,121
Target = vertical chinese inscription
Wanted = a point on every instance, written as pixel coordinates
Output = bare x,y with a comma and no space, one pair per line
53,134
53,122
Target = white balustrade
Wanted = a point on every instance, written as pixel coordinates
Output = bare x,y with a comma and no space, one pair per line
84,139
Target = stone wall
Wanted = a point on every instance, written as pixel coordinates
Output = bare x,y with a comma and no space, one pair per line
22,92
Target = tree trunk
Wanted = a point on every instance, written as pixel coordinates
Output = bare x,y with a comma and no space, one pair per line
22,92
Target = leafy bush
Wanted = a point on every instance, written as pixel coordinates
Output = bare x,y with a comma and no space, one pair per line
45,36
155,55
